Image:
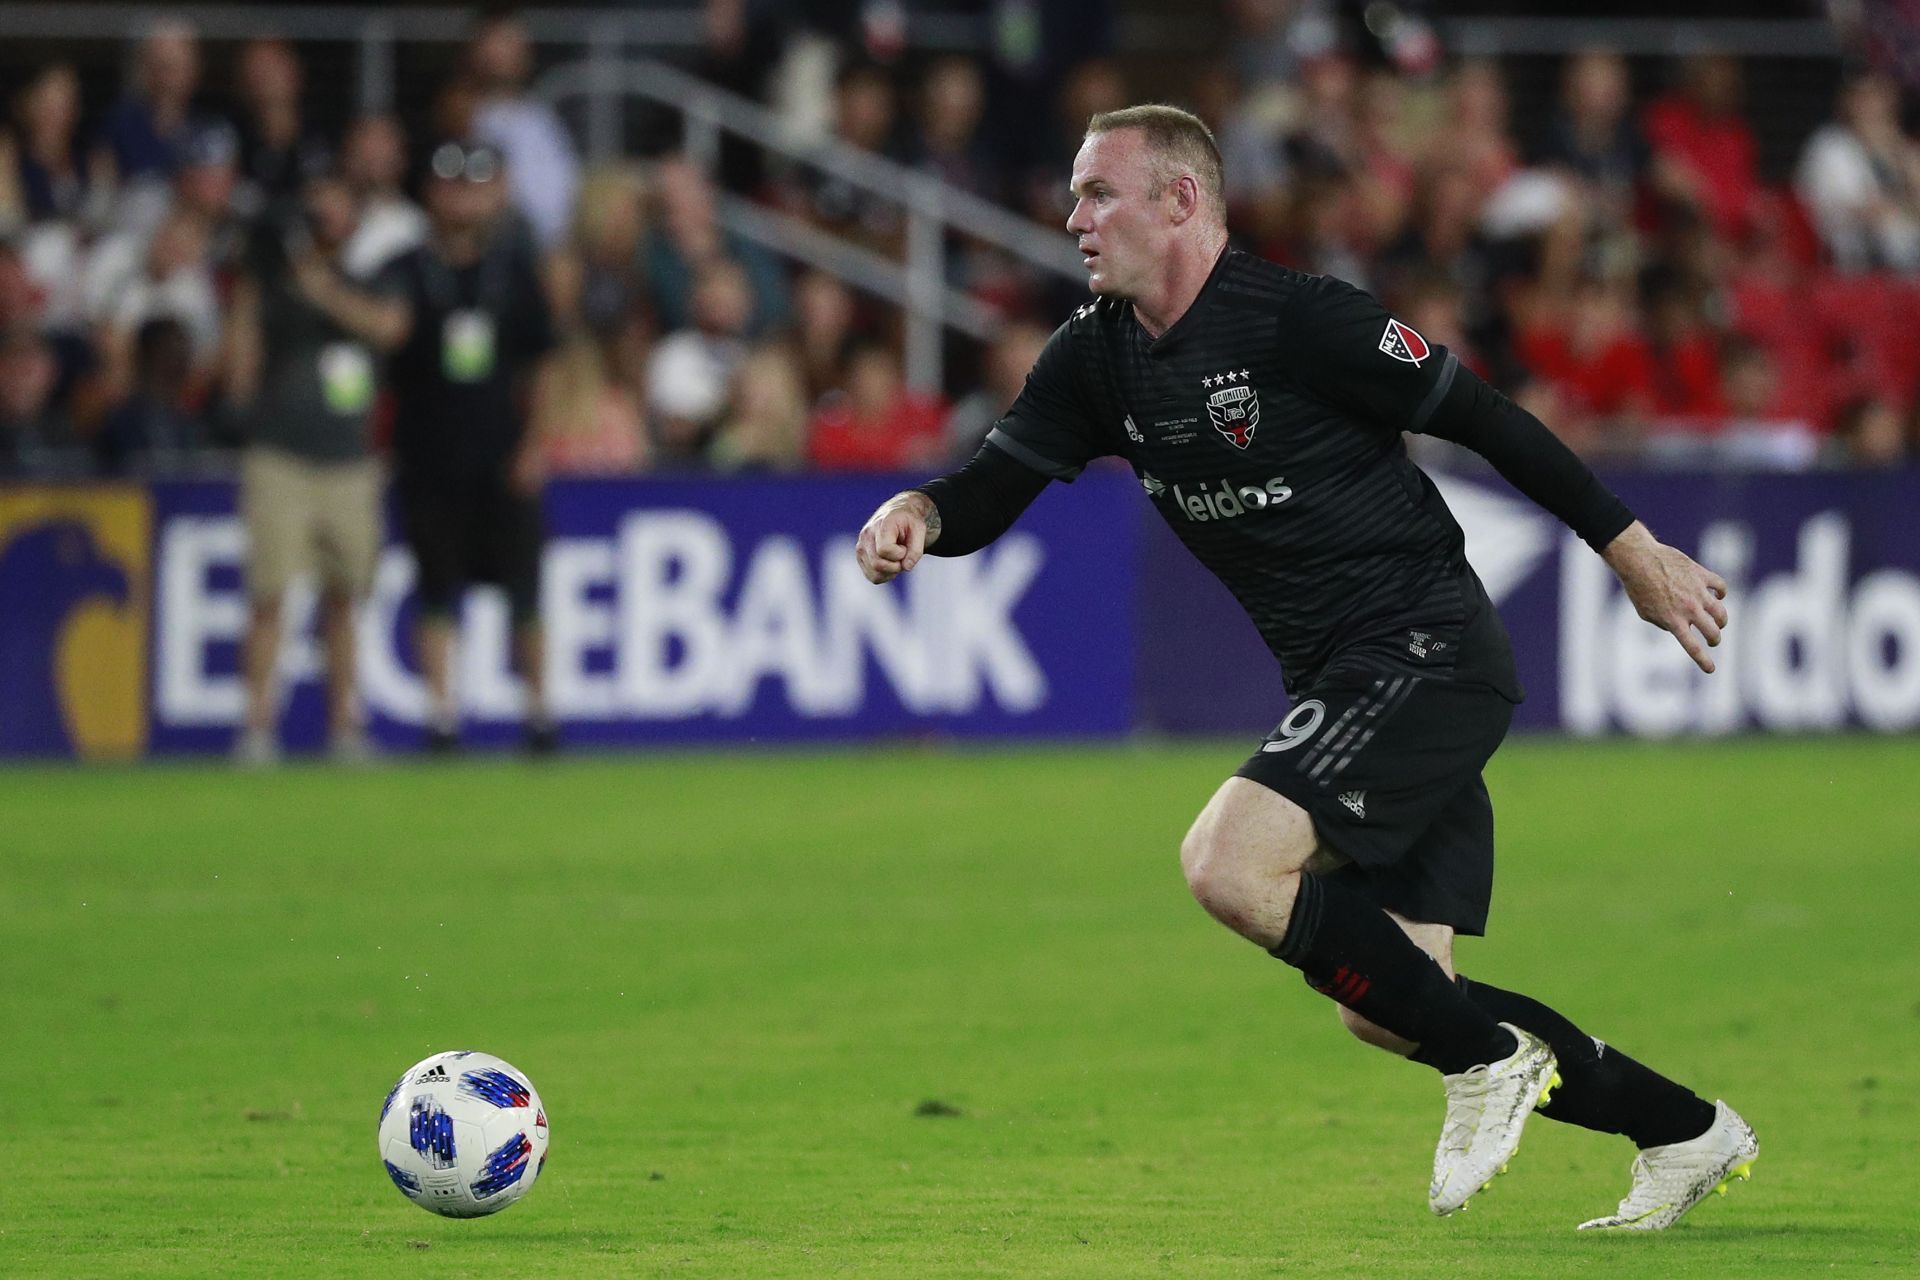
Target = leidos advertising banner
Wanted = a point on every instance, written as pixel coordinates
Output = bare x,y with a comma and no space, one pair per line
1825,634
731,611
676,612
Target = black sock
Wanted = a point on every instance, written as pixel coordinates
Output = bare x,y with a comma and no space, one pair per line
1351,950
1600,1087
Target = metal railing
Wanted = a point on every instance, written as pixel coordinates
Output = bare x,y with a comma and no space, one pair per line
933,208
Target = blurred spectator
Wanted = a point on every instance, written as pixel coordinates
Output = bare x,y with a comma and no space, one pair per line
542,169
1685,355
586,412
132,280
1093,86
373,161
1442,239
143,132
1320,231
1870,432
34,437
1859,177
204,183
691,373
1272,39
743,43
1323,141
156,427
1011,355
865,116
1706,152
467,470
1386,176
1478,131
40,294
586,420
279,151
1750,382
608,292
765,427
1759,433
824,317
302,371
207,185
1588,346
947,141
686,235
1593,138
45,169
878,424
454,109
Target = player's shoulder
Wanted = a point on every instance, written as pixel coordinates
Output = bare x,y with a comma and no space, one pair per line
1094,317
1247,282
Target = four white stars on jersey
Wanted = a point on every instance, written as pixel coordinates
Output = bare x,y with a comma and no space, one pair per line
1223,378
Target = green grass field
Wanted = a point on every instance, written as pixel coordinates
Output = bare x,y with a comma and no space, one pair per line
736,980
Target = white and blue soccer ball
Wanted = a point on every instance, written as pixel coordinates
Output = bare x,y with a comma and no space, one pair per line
463,1134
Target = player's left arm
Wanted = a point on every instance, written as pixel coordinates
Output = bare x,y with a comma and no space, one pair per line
1360,358
1666,586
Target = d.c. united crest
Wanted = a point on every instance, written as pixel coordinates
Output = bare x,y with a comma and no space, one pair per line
1235,412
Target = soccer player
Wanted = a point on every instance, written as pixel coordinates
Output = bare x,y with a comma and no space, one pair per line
1262,410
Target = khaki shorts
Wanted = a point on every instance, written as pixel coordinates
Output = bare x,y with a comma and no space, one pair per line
303,517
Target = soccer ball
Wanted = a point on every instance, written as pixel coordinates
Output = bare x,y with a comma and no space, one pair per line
463,1134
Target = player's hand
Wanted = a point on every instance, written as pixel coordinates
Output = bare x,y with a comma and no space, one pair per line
895,537
1671,591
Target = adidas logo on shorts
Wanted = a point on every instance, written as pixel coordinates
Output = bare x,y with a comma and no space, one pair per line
1356,801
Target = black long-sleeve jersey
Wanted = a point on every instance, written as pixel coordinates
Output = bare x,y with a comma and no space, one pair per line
1265,426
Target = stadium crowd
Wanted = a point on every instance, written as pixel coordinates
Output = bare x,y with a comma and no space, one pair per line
1625,272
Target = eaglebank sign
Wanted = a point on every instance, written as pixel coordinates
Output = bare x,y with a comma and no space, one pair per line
1810,646
720,616
731,611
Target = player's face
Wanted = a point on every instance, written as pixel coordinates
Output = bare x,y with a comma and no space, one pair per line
1119,214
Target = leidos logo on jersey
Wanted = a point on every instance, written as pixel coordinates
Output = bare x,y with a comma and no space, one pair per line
1220,499
1404,344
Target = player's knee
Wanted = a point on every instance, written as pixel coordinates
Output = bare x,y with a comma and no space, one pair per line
1368,1032
1234,887
1208,865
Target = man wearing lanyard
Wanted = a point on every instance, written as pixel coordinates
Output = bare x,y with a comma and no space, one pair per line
467,477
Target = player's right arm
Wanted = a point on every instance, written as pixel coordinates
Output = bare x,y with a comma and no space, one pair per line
1048,434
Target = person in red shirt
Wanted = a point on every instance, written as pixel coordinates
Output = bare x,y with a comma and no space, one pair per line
1704,152
1590,349
877,423
1686,358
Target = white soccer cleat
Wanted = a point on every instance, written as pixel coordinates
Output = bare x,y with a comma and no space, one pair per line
1487,1107
1669,1180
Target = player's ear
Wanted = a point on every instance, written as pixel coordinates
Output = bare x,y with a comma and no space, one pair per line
1183,197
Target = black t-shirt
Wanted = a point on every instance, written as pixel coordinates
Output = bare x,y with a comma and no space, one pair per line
320,383
1265,427
459,381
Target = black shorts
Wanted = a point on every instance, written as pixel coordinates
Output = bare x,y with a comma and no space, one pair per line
475,533
1388,766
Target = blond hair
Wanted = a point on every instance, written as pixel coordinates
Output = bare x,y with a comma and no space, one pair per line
1178,141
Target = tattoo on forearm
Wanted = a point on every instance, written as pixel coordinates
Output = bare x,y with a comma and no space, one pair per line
933,521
